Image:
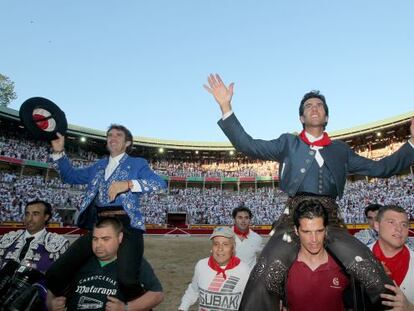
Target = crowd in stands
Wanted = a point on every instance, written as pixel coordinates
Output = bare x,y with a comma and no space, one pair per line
393,190
16,191
202,206
205,206
216,169
390,147
213,205
25,149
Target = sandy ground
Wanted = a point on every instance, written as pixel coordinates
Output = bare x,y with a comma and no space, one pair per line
173,259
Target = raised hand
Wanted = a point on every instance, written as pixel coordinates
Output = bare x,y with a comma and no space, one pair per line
221,93
58,145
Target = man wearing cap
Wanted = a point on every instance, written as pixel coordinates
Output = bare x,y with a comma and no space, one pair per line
311,164
219,280
248,242
114,188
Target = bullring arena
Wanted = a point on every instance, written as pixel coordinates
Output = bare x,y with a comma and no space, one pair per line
205,182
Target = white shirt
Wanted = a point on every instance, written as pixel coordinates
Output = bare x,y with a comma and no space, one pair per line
212,291
113,163
248,249
318,156
36,236
407,285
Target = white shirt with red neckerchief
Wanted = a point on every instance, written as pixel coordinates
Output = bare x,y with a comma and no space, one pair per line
213,291
407,285
248,249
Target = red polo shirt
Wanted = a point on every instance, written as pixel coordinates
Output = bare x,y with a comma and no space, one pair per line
320,290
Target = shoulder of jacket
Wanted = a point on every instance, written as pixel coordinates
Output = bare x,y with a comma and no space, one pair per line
9,238
55,242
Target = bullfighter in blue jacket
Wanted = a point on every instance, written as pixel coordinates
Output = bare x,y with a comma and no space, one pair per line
114,187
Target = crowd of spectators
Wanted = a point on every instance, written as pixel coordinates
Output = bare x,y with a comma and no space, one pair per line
391,145
208,205
202,205
16,191
25,149
242,168
394,190
214,205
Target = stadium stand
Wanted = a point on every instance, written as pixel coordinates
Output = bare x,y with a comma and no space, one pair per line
205,180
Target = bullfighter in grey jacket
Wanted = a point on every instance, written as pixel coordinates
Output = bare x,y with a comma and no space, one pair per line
310,165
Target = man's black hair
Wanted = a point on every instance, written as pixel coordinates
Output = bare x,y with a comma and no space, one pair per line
372,208
113,222
310,209
128,135
313,94
47,207
241,208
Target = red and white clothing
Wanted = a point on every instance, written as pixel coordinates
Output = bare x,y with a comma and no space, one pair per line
213,291
321,289
248,248
407,284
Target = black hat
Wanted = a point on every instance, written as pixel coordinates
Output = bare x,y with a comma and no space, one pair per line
43,118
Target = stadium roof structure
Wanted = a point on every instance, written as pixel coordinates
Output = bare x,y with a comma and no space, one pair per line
389,125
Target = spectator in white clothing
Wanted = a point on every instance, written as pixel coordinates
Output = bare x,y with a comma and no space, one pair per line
248,242
219,280
369,235
392,225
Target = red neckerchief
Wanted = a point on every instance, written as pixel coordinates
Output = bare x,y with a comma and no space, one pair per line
241,233
234,261
398,264
324,141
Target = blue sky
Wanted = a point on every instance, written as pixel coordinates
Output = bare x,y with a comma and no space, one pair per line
143,63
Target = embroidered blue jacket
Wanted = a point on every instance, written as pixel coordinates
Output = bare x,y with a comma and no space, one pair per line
129,168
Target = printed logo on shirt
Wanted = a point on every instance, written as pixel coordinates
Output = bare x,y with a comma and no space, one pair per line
91,292
336,283
220,294
87,303
81,289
